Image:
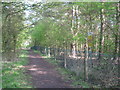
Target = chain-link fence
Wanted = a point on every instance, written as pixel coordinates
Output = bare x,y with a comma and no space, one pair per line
86,65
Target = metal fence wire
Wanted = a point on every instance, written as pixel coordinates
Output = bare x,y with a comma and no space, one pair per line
86,65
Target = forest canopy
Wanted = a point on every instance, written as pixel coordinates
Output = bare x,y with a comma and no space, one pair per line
69,25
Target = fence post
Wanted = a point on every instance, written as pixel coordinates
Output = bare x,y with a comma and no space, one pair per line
55,53
90,56
45,51
65,55
49,51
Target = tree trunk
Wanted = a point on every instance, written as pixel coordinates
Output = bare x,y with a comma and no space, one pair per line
14,46
74,28
65,56
116,46
74,50
101,33
86,62
118,23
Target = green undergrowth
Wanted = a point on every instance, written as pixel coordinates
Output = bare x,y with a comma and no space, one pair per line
13,73
67,74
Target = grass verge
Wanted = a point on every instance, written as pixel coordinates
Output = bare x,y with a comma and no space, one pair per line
77,82
13,75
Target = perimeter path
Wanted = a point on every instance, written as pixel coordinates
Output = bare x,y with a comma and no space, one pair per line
43,73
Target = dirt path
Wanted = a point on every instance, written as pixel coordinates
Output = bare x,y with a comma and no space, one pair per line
43,73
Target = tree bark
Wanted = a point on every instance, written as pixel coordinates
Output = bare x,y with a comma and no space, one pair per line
86,62
118,23
101,32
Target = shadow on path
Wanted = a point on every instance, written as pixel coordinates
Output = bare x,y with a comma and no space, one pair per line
43,73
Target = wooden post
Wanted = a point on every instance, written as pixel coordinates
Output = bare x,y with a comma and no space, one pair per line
49,51
65,55
55,53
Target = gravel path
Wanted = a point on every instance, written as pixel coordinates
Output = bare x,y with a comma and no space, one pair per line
43,73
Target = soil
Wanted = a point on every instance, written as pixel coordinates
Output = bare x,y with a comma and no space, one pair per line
44,74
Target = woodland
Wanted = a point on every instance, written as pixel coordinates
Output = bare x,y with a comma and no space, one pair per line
83,36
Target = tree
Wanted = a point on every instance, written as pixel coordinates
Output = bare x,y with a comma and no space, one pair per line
12,23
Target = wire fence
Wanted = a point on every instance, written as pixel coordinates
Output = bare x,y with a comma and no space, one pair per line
86,65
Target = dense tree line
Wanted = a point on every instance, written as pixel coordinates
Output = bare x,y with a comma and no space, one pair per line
13,27
68,25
